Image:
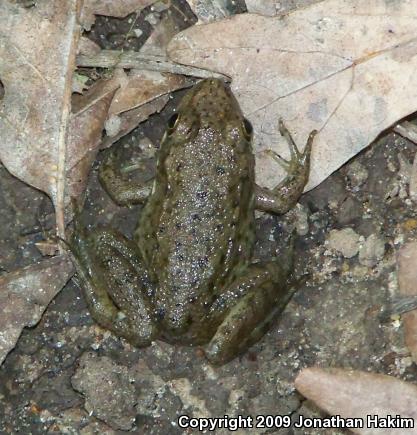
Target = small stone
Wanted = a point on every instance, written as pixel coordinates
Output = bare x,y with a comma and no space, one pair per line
349,210
301,220
409,225
403,192
108,390
357,174
372,251
160,6
406,168
345,267
138,33
345,241
391,166
152,19
329,193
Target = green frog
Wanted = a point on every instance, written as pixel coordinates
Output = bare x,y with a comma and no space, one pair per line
187,276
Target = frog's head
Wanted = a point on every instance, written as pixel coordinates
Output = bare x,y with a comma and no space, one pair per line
209,107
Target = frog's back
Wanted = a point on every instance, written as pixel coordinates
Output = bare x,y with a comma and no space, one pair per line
197,225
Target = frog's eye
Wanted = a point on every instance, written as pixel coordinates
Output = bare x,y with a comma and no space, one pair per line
173,121
247,128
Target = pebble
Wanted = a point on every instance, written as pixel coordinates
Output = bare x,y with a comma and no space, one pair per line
348,211
345,241
301,220
152,19
371,251
160,6
357,175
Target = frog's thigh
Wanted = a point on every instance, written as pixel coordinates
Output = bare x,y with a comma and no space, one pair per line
121,190
115,285
266,293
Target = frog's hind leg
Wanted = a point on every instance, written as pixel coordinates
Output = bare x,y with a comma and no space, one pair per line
115,284
254,300
284,196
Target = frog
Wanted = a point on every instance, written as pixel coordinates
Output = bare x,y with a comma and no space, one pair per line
187,276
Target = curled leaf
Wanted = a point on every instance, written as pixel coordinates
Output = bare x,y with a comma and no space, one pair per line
37,79
26,293
346,69
356,394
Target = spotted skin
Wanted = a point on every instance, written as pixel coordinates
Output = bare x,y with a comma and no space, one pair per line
187,276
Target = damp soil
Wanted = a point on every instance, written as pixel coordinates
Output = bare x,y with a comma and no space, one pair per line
68,375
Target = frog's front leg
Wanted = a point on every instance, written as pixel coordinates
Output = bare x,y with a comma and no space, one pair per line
115,284
121,190
285,195
252,302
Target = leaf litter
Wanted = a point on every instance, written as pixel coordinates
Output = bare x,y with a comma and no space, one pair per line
345,69
37,80
356,394
90,108
110,8
25,294
50,140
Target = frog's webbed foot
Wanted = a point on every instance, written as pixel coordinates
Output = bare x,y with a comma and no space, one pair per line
284,196
114,283
121,190
254,300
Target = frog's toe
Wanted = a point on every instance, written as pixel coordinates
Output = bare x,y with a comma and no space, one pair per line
287,136
307,150
298,158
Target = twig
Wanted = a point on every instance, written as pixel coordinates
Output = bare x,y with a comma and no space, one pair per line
136,60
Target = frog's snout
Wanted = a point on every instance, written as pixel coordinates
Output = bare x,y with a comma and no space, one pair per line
213,101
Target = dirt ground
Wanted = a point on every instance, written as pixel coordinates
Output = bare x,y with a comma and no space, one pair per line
68,375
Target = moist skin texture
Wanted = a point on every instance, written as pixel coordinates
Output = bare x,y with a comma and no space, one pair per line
187,276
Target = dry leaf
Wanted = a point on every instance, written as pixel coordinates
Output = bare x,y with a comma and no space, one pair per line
25,294
159,39
110,8
346,69
142,86
119,125
48,248
407,283
37,48
85,133
355,394
87,47
276,7
79,83
144,92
